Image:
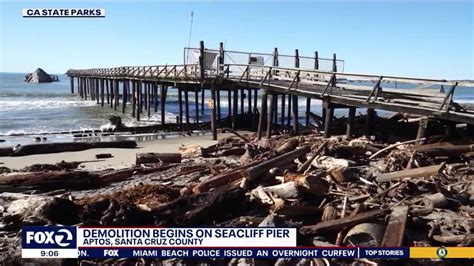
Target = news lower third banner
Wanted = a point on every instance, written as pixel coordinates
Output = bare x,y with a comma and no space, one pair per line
156,242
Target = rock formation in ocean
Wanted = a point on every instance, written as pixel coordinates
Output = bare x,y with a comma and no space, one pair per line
40,76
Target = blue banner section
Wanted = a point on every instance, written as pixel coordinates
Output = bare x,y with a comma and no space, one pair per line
45,237
384,253
349,253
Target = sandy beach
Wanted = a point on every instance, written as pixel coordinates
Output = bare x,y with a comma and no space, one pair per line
122,158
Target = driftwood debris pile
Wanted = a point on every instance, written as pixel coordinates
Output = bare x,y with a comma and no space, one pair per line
337,191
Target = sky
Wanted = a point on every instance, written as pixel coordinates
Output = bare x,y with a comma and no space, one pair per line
416,39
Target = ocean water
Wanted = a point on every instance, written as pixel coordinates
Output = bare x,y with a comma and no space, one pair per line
28,110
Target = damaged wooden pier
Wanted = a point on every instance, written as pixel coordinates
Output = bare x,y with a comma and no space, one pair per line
264,90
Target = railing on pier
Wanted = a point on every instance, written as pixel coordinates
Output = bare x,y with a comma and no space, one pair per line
424,93
141,72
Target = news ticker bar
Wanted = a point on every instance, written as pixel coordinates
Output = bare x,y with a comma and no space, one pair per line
297,252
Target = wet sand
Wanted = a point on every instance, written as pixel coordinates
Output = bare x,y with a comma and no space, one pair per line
122,157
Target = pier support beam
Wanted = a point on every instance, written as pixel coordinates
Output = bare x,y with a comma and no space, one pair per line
117,93
218,101
134,99
106,81
203,95
271,114
249,100
72,84
163,104
213,114
308,110
328,121
329,113
350,122
139,98
124,96
180,105
263,114
155,97
235,107
102,92
96,91
196,105
295,114
229,103
422,128
186,106
369,127
282,121
450,129
290,100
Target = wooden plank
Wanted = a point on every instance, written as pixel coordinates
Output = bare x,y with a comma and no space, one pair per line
339,224
395,229
413,173
256,171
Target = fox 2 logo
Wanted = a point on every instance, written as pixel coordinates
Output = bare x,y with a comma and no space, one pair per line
49,237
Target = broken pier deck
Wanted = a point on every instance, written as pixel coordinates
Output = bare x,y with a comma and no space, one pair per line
278,78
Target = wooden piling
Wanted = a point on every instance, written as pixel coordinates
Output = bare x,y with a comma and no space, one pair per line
290,101
180,106
242,100
155,101
229,103
350,122
141,96
97,92
422,128
213,114
249,99
117,94
134,99
112,93
72,84
263,114
84,85
186,106
282,115
106,81
124,96
163,104
275,109
218,99
451,129
148,99
196,105
329,112
308,110
139,99
271,114
255,101
369,127
102,92
295,114
235,107
203,95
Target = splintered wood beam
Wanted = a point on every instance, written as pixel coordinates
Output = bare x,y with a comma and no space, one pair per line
444,151
413,173
395,229
339,224
257,170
